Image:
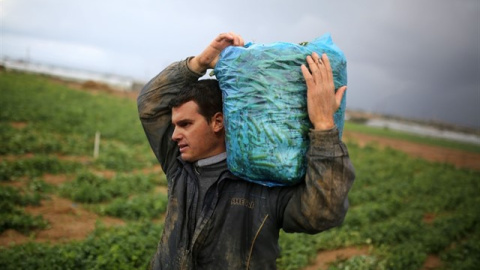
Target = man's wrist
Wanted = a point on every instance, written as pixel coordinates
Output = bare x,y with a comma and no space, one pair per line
194,65
325,138
324,126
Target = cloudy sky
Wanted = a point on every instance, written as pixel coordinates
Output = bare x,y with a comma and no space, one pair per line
410,58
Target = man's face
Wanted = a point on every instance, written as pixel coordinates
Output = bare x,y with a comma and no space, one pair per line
196,138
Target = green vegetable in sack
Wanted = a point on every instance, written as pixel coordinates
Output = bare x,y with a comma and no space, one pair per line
265,107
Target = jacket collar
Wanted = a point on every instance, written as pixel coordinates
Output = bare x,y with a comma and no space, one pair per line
189,168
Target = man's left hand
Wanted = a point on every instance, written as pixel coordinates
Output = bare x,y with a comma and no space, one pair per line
322,101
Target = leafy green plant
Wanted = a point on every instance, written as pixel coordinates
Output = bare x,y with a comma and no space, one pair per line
135,208
297,250
119,156
126,247
30,139
47,105
90,188
464,253
12,216
35,167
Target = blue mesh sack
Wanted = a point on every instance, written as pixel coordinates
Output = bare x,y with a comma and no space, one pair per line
265,107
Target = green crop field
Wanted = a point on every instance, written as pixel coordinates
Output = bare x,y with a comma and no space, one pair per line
402,210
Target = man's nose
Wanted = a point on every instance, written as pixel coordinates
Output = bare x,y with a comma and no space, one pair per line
175,135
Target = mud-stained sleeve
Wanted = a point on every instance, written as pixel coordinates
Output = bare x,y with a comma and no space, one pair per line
155,113
321,202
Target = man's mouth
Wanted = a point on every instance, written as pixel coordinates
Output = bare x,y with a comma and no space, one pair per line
182,147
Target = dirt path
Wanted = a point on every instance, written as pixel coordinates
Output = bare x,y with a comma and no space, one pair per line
459,158
324,258
67,221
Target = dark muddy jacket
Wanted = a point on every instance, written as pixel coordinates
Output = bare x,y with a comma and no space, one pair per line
239,225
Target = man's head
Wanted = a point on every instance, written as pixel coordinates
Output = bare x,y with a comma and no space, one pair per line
198,120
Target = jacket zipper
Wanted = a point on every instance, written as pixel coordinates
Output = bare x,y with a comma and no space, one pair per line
205,218
253,241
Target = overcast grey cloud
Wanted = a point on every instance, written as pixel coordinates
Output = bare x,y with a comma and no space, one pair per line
409,58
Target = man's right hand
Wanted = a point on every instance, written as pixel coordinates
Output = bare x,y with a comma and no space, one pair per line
209,57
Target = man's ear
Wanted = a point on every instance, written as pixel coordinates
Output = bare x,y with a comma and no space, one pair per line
217,122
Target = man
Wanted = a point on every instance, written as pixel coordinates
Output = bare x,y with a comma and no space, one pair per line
215,220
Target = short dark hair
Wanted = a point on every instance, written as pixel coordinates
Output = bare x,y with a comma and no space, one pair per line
206,93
